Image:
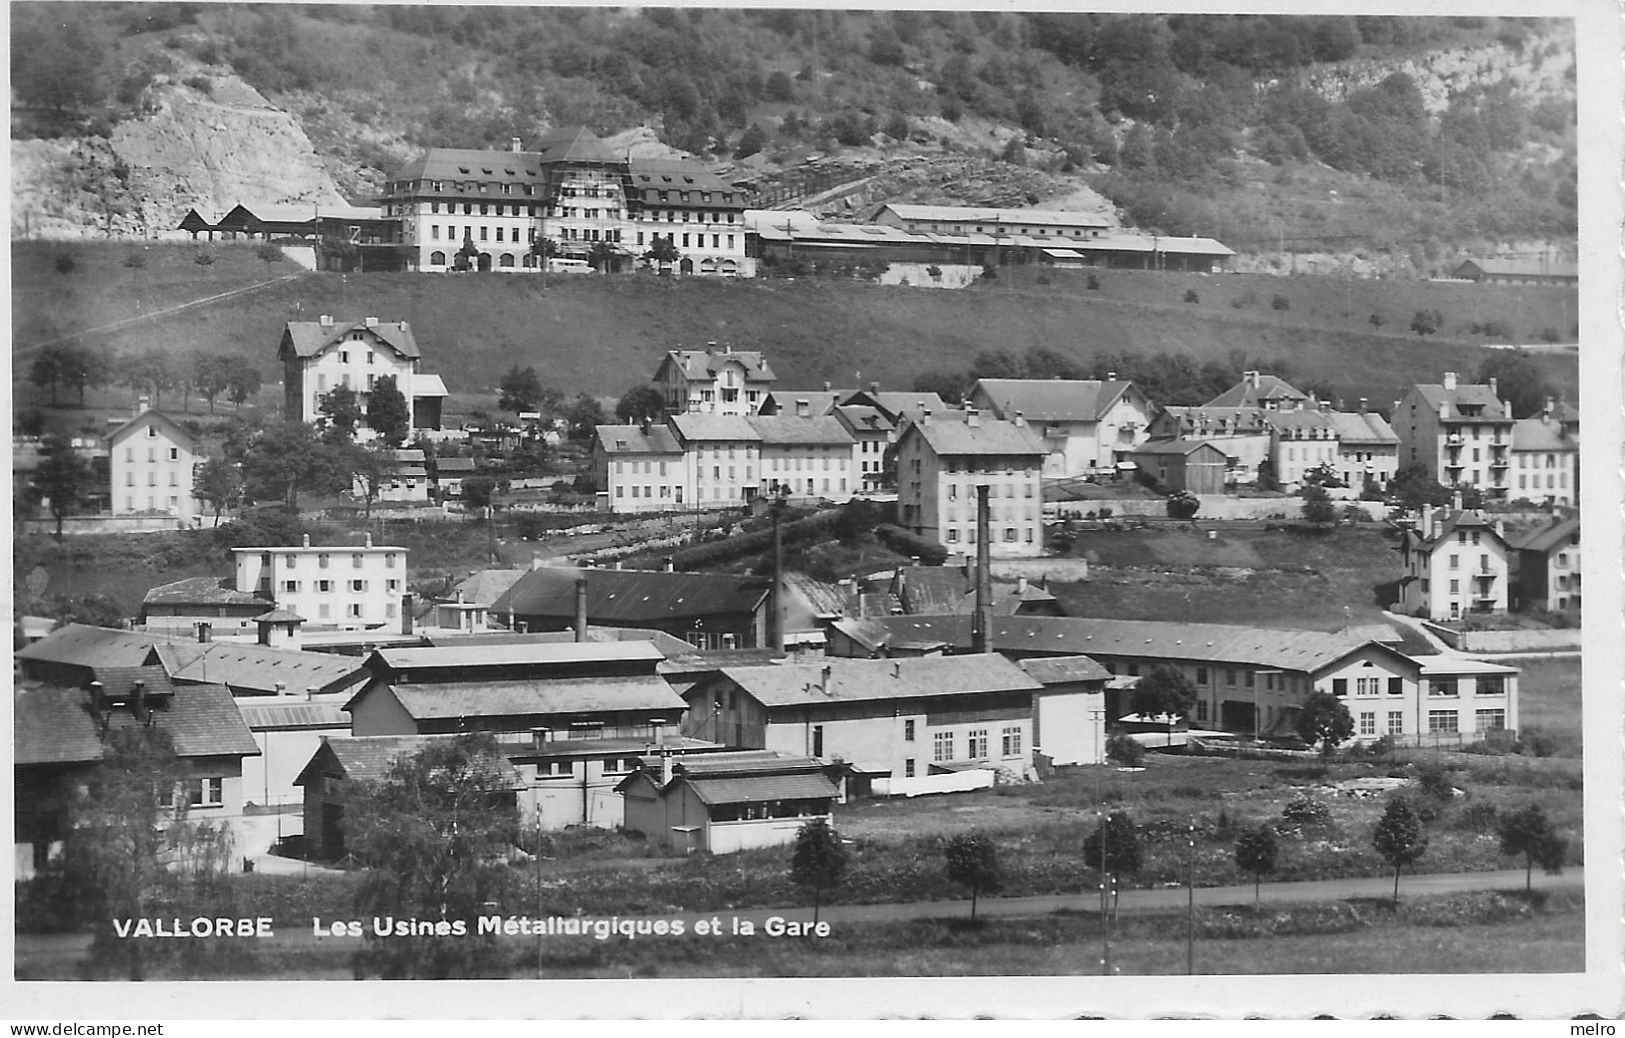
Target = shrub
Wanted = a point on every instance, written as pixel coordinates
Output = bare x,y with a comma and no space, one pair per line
1191,296
1125,750
1094,281
64,263
899,540
1183,505
1478,818
135,260
1436,782
1307,811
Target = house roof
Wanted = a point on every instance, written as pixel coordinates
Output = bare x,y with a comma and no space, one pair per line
698,425
1539,434
293,715
951,435
949,589
861,418
1545,539
201,591
1246,394
897,403
1069,636
806,785
1209,421
709,661
1155,447
743,777
1433,666
177,431
54,725
1448,522
279,616
868,680
819,401
575,144
789,430
677,173
453,466
1292,421
472,164
962,214
825,599
1046,400
1468,394
1522,267
368,758
94,647
451,699
702,365
486,585
309,338
632,439
513,654
632,597
1057,670
256,668
1363,427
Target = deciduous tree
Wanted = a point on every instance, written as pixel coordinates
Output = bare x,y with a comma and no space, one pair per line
63,478
389,413
340,410
519,390
1325,719
973,862
1399,837
817,860
1255,854
1114,850
219,485
1317,506
1165,691
1527,831
639,404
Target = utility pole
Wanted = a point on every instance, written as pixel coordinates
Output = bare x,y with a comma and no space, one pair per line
538,891
1190,903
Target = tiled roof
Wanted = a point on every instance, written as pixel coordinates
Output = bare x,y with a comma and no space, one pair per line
308,338
276,715
696,425
486,585
176,430
952,436
202,591
87,646
453,466
1446,524
55,725
677,174
257,669
819,401
1055,670
868,680
631,439
897,403
1155,447
513,654
1069,636
1245,394
962,214
811,785
278,616
1210,421
368,758
1282,421
863,418
632,597
709,661
1367,427
1524,267
461,164
575,144
788,429
1537,434
439,700
699,365
1546,538
824,598
1472,395
948,589
1044,400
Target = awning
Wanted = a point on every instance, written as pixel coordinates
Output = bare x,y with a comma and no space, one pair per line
1126,466
1063,253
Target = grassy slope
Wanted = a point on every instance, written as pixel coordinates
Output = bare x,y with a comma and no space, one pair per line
603,335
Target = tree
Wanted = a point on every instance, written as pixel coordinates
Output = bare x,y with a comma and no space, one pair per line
973,862
519,390
1413,488
1317,506
753,140
662,251
1255,853
340,410
1183,505
641,404
218,484
151,371
1426,322
583,415
269,253
1164,691
467,257
388,412
370,467
1114,849
602,255
211,375
1125,750
779,87
284,459
478,492
434,834
64,263
1399,837
817,860
1518,380
62,478
1324,718
1527,831
46,370
242,381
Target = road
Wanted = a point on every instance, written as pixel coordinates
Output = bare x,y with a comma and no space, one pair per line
38,949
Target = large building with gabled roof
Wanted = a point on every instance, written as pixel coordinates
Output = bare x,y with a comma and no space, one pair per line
1455,561
1459,433
152,460
942,460
1088,425
322,355
722,381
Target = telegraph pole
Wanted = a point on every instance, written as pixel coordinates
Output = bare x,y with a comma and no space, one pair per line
1190,903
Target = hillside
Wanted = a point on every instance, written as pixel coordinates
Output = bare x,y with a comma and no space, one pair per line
1434,137
605,334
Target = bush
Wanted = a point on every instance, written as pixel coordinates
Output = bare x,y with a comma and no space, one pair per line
1125,750
1191,296
899,540
1183,505
64,263
1436,782
1307,811
135,260
1094,282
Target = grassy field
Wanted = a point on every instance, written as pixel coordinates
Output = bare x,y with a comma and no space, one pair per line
1283,578
604,335
1549,693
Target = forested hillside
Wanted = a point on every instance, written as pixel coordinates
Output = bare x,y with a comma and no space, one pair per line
1463,127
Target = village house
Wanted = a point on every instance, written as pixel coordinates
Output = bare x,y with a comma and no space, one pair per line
1069,715
940,463
1249,680
805,458
1548,567
725,802
1265,392
1087,426
1240,432
60,733
1194,466
404,480
1546,458
1453,562
1367,449
178,607
889,720
449,474
152,461
937,590
639,468
1301,441
1460,434
712,381
721,458
871,431
1538,270
342,586
322,355
1462,697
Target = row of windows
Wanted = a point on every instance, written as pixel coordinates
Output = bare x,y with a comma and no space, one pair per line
208,791
959,228
293,587
152,479
1560,479
942,744
992,491
1449,720
699,240
648,491
672,216
152,454
485,207
324,560
468,233
1011,535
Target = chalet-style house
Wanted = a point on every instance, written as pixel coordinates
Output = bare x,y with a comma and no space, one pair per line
59,738
725,802
324,354
712,381
1087,426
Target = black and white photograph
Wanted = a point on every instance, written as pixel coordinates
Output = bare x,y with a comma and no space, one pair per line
1028,512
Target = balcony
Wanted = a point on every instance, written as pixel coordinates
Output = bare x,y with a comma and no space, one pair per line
1453,441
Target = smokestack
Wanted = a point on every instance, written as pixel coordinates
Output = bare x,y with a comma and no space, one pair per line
140,408
98,700
204,631
408,603
1494,388
1455,501
874,387
1362,405
665,767
371,322
310,692
803,408
281,688
581,607
515,144
823,679
982,627
973,417
1019,420
307,540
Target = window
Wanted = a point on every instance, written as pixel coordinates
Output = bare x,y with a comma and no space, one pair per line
290,586
908,768
1367,686
324,586
1368,723
1201,675
978,743
555,769
354,610
1442,721
358,585
1396,686
1441,686
908,731
1491,685
1010,742
1396,722
1340,686
1489,720
207,792
355,561
942,746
